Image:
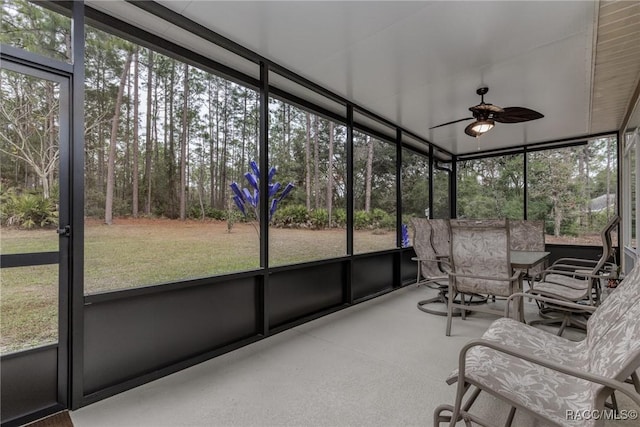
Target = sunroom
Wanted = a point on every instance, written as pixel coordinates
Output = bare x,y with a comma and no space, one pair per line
189,182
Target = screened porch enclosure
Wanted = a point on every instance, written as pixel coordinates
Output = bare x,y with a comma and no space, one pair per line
176,186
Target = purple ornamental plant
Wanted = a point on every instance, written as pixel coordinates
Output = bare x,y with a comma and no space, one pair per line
248,201
405,236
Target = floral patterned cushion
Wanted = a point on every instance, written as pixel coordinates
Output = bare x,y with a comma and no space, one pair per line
440,236
541,390
559,291
567,281
626,294
480,248
527,235
424,249
610,354
534,341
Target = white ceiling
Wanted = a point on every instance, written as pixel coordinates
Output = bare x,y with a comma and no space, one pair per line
419,63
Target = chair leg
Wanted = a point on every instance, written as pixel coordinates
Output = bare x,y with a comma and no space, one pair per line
450,314
463,298
457,406
635,380
512,413
439,418
440,298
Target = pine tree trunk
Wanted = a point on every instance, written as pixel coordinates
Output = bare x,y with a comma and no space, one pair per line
330,175
108,209
183,146
171,155
316,164
127,140
212,169
307,162
223,163
149,142
216,163
136,100
369,176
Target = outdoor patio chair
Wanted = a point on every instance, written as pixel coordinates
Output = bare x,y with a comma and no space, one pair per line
527,235
575,280
480,264
551,377
432,266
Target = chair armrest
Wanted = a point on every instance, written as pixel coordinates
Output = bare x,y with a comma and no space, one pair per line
576,260
513,278
437,261
563,303
575,273
567,370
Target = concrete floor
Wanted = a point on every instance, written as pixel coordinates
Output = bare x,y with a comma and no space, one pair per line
379,363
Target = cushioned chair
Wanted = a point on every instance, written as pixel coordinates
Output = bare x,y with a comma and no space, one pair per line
527,235
575,280
432,266
480,264
548,376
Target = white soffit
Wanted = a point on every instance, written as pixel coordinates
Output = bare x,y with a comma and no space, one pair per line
617,63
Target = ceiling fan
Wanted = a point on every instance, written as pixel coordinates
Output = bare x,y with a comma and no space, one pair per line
487,114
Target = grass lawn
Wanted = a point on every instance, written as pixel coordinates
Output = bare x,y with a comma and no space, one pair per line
140,252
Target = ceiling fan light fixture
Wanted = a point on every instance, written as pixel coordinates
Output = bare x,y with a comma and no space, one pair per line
479,127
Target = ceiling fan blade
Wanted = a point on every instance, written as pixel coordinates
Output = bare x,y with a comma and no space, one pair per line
516,115
450,123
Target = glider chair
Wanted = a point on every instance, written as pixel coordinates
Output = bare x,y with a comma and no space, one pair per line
433,266
575,280
480,264
552,378
525,235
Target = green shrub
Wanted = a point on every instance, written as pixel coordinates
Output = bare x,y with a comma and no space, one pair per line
217,214
339,217
378,215
388,222
569,227
362,220
291,216
28,210
319,218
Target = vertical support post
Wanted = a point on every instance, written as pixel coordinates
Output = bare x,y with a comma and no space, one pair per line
349,283
75,389
264,194
398,187
431,164
525,192
619,157
397,273
453,188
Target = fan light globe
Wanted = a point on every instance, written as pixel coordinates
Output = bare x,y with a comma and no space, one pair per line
482,126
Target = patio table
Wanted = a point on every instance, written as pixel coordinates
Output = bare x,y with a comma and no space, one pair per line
527,259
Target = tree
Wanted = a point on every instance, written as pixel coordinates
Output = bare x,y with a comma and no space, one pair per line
134,173
369,174
149,142
307,161
108,210
316,164
183,146
30,123
330,174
